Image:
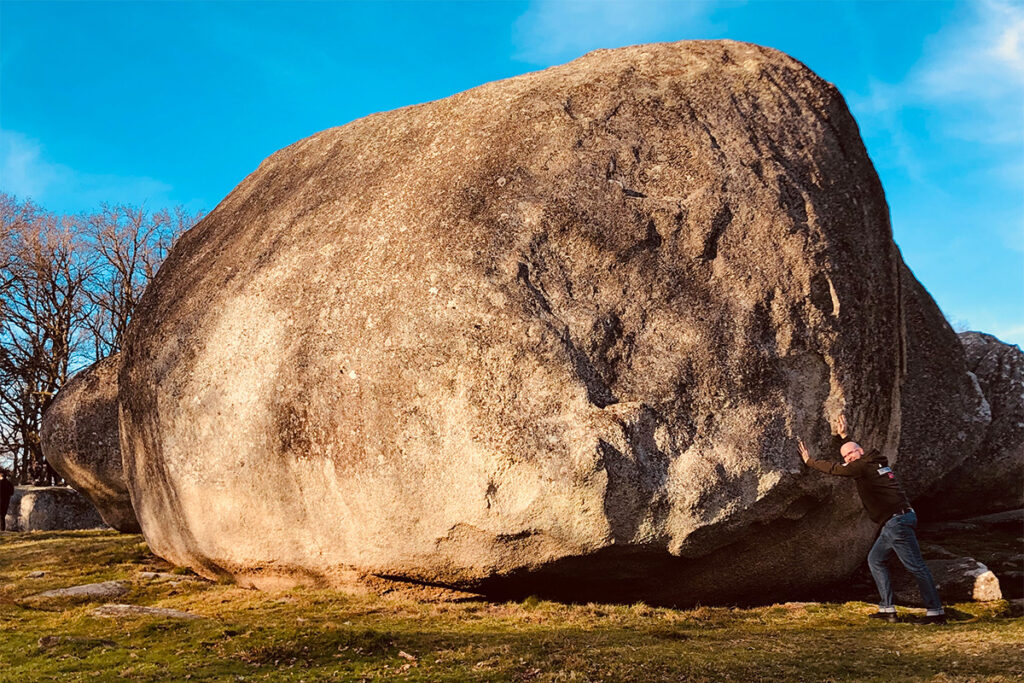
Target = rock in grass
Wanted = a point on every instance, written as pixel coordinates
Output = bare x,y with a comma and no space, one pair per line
991,478
554,335
162,576
120,611
80,440
75,642
961,579
89,591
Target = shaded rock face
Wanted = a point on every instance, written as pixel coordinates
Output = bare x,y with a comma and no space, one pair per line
50,508
943,413
80,440
990,479
558,330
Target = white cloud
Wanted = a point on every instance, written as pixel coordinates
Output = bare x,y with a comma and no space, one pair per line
22,171
554,31
1009,49
973,72
964,100
982,59
26,173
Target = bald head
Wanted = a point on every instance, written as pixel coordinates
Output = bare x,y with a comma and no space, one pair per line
851,451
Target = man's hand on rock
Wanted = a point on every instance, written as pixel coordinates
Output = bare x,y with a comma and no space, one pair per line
803,450
841,426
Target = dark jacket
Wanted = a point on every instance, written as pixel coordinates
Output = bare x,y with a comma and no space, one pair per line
6,491
879,490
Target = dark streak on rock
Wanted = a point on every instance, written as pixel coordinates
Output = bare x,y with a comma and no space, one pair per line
721,221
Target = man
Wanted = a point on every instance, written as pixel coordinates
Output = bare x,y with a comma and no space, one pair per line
887,506
6,492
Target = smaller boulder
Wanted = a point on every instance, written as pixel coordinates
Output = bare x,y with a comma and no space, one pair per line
80,440
51,508
962,579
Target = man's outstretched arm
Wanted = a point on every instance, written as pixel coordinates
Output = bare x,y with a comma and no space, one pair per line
854,469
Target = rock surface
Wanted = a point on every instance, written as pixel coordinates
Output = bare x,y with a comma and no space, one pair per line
556,334
943,413
51,508
80,440
990,479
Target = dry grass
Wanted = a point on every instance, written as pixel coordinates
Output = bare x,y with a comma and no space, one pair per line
315,635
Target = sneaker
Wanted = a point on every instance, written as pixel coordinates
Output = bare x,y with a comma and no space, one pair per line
931,619
889,617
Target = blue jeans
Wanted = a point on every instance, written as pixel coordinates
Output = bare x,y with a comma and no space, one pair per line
898,535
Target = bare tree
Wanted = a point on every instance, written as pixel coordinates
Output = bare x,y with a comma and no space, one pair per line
129,245
68,286
44,269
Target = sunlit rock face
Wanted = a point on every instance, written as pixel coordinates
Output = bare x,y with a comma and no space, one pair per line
80,440
557,334
991,477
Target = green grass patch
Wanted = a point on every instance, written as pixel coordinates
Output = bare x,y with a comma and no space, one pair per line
315,635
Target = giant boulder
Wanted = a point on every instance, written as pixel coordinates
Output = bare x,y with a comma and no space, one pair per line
991,477
80,440
557,334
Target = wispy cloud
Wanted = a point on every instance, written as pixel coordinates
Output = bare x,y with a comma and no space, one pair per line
1011,334
983,59
972,74
27,173
1008,331
552,31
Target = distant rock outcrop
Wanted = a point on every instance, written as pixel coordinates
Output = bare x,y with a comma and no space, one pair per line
51,508
556,334
991,478
80,440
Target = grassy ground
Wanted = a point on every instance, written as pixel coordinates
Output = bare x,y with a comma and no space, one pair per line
317,635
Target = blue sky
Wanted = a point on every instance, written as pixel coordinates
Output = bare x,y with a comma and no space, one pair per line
174,103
